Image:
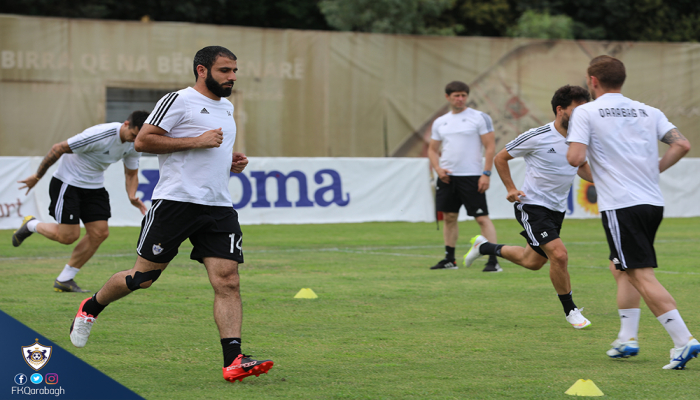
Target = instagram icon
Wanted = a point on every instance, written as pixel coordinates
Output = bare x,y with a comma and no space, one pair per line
51,379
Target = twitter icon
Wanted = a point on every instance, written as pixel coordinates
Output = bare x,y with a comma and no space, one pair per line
37,379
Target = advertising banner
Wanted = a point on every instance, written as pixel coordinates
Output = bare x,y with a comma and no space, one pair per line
326,190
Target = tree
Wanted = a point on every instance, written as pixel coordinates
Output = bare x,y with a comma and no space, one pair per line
388,16
543,26
298,14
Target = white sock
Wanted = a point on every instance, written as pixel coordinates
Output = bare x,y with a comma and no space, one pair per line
31,225
629,324
69,273
675,327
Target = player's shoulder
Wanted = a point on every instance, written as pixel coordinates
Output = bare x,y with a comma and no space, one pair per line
532,136
439,120
106,129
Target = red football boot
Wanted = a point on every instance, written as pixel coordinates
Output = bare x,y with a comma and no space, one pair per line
244,366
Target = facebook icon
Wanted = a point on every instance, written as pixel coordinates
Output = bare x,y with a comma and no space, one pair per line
20,379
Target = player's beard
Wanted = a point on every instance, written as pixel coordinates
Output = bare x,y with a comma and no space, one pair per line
565,122
217,88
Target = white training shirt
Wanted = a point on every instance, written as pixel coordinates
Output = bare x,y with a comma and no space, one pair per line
548,176
197,176
622,137
460,135
94,150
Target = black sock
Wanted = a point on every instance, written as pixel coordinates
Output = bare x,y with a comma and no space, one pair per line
491,249
492,259
567,302
449,253
92,307
231,348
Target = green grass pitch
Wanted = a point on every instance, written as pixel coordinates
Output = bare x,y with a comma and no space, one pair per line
384,325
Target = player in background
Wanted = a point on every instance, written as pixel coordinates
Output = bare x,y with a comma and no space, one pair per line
78,194
540,207
620,136
462,178
193,132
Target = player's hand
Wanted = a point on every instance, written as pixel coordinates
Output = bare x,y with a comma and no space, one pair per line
212,138
514,195
136,202
484,183
29,183
443,174
238,163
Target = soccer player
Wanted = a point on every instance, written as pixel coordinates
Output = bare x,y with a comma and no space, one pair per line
620,137
540,206
192,131
462,133
77,191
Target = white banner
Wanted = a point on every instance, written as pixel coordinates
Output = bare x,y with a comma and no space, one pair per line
325,190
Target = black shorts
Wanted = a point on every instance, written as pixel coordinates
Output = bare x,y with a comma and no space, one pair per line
449,197
70,204
541,224
213,231
631,232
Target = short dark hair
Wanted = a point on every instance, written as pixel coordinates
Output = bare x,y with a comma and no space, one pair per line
456,86
609,70
207,57
137,118
566,95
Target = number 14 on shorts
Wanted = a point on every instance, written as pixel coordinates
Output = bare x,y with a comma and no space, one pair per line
235,244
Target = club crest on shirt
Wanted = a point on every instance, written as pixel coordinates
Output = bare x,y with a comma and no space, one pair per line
157,249
36,355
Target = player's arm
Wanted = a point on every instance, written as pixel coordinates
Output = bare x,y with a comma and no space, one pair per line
501,163
576,155
488,140
434,157
131,177
679,146
584,172
57,150
152,139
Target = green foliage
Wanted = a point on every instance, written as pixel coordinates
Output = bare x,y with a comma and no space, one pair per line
543,26
298,14
384,325
386,16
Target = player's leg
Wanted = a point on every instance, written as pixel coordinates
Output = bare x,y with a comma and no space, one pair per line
524,256
64,207
61,233
447,202
559,275
164,227
628,300
475,203
220,248
94,211
141,276
631,232
95,233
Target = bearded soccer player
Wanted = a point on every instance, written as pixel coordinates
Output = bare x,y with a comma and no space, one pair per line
77,191
540,206
620,137
193,132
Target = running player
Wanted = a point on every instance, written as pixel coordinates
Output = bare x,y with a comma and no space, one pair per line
621,137
77,191
540,206
192,131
